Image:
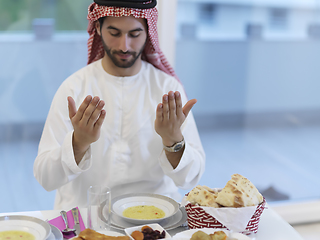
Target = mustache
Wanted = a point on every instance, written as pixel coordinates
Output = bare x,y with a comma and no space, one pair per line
122,52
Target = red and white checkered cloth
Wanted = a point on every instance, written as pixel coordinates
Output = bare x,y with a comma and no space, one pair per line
151,53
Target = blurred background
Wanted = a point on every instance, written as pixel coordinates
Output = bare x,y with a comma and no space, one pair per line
252,65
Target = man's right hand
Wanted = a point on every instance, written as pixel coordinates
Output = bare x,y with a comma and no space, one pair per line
87,122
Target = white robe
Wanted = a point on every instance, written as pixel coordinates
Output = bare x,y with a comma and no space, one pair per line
129,156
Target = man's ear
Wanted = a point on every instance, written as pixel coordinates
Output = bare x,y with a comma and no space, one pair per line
97,25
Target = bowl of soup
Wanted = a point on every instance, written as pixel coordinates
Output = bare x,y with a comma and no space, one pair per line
19,227
143,208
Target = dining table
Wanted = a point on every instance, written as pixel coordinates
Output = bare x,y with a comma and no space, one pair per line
271,226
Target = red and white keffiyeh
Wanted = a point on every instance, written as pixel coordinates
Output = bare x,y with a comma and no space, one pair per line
151,53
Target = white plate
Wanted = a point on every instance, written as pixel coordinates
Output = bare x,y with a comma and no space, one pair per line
55,234
171,223
166,204
186,235
154,226
37,227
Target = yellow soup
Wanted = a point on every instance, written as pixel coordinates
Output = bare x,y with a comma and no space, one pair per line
143,212
15,235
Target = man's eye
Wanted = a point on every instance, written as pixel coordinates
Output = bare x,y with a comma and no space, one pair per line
115,34
134,35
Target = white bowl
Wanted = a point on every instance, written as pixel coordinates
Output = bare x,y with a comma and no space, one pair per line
166,204
154,226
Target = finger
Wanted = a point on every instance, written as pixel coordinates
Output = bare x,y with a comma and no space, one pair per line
82,108
89,110
165,107
187,107
98,123
72,107
96,113
159,112
172,105
178,104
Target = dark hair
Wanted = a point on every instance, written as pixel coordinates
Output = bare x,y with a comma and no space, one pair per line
101,20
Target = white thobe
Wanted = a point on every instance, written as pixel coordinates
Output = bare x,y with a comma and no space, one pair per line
128,157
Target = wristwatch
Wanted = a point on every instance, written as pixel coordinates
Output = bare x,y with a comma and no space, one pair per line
175,147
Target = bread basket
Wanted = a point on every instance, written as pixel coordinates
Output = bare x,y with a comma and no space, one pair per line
198,217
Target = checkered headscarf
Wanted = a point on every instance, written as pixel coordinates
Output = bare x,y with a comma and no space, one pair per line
151,52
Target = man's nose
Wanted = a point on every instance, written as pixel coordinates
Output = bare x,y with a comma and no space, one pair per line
124,43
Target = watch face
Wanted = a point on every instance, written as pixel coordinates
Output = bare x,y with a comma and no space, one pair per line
177,147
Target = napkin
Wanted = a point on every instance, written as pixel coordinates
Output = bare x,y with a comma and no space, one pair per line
59,223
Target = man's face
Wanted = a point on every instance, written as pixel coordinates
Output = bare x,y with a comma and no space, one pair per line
123,39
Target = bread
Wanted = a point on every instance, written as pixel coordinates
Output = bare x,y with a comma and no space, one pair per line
219,235
203,196
89,234
239,192
200,235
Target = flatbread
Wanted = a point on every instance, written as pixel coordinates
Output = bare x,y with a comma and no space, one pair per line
203,196
89,234
239,192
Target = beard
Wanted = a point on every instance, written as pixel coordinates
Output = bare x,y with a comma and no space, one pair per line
122,63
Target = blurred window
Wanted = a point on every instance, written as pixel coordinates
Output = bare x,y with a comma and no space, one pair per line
256,77
253,68
207,13
278,17
42,42
19,15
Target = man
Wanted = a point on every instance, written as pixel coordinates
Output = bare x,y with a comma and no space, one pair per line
114,131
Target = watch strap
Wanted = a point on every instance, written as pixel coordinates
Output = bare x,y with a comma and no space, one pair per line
175,147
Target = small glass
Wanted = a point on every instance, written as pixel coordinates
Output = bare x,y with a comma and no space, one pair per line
99,208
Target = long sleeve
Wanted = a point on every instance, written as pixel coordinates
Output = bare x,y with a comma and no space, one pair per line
55,165
192,164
